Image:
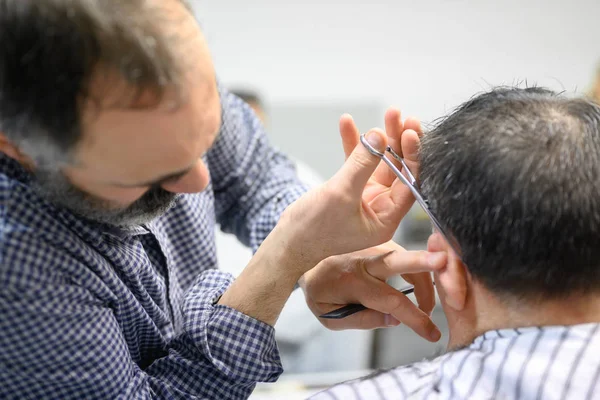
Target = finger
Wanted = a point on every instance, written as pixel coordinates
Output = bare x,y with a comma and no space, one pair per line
402,200
349,133
424,290
410,150
391,205
358,168
414,124
381,297
417,320
367,319
396,304
404,262
393,128
400,195
421,263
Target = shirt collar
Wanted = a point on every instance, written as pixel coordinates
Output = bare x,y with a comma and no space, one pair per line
510,333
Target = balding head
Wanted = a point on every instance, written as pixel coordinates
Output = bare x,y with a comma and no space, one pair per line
514,175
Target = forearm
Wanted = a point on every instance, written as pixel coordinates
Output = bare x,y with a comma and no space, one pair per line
266,283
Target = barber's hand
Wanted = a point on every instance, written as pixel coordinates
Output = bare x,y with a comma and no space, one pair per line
350,212
404,138
360,207
360,278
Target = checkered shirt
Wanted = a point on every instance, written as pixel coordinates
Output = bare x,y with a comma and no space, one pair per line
92,312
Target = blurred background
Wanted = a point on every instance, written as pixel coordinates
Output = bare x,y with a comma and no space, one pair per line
303,64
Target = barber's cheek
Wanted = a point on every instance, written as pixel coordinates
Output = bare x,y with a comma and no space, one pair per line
194,181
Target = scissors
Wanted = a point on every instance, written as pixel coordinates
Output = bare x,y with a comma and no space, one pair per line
410,181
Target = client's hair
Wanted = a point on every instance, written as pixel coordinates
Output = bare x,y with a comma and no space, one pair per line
514,176
594,93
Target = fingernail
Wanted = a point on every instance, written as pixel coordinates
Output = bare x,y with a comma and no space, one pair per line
374,139
435,334
436,259
391,321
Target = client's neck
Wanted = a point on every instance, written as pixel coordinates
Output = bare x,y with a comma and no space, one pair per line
573,310
489,313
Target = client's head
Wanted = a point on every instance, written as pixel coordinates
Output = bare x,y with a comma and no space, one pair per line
514,176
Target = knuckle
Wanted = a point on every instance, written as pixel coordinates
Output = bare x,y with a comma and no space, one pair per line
422,320
394,303
348,272
362,159
359,263
386,267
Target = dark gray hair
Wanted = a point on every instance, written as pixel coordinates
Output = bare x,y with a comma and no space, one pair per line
514,175
50,51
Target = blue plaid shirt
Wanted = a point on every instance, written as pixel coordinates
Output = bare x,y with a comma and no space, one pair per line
92,312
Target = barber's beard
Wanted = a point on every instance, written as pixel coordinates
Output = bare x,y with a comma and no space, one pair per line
57,189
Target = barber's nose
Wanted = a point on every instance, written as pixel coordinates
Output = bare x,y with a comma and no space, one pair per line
195,181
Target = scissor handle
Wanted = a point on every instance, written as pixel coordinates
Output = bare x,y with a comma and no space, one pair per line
371,149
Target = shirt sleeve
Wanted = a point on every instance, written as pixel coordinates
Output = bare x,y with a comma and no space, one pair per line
59,341
252,181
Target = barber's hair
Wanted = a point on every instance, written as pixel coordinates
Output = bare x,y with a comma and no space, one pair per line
514,175
51,50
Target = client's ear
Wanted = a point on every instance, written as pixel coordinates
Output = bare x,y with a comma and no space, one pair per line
451,280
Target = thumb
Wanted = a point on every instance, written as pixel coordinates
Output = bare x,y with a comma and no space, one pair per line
360,166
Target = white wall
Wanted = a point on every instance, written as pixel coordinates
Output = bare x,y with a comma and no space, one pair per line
425,56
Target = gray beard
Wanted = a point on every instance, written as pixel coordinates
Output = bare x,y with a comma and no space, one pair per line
56,188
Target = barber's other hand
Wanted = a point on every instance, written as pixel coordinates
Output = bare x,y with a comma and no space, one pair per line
360,278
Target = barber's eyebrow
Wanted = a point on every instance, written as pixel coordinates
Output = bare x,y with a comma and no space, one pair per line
158,181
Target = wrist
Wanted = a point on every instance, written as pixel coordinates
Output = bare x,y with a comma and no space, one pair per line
286,255
266,283
293,242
